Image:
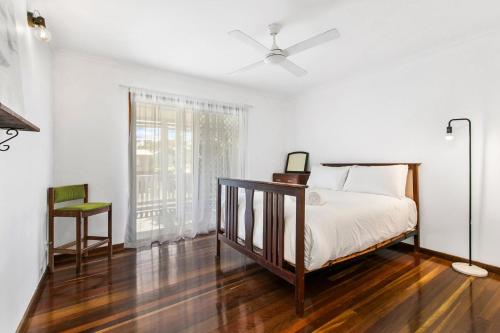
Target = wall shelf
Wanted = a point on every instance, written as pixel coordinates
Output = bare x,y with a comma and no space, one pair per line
11,120
13,123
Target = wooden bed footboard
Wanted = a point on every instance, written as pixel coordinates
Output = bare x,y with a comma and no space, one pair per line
272,254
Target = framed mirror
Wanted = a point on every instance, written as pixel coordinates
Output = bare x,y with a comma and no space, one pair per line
297,161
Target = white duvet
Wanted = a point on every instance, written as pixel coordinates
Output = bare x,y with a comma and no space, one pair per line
345,223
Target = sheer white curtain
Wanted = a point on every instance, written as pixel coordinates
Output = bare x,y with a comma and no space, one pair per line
178,147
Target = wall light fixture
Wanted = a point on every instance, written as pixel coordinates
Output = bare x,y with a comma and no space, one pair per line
36,21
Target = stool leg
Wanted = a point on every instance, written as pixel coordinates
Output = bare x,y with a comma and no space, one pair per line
51,243
110,233
85,235
78,244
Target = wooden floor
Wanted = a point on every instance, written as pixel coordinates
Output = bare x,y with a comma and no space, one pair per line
182,287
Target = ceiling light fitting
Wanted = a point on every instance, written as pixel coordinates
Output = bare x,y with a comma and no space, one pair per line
278,56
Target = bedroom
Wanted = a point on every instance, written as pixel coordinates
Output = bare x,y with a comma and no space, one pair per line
382,91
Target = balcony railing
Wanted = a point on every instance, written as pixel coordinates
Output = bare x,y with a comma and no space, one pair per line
153,202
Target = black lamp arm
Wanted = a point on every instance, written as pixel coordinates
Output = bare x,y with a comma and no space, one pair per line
459,119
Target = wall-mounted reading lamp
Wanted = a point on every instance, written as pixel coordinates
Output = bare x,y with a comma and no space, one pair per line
36,21
467,267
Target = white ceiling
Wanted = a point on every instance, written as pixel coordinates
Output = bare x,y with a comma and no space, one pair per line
190,36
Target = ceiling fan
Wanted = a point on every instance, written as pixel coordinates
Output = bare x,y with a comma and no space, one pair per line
278,56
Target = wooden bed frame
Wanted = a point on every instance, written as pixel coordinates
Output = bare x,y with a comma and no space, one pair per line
272,255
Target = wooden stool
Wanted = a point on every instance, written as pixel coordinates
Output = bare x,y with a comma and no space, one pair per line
79,212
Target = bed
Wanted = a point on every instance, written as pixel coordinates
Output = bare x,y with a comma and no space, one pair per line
292,237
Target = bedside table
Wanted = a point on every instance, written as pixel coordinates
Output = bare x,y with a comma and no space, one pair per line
291,178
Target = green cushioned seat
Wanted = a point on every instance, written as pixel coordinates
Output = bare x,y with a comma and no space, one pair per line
85,207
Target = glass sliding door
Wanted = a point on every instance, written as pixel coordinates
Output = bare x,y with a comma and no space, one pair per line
178,148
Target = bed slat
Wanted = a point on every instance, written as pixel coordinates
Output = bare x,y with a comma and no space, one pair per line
235,214
249,219
231,213
274,240
270,227
228,205
264,226
281,229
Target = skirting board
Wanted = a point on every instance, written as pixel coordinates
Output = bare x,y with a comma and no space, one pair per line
450,257
59,259
23,324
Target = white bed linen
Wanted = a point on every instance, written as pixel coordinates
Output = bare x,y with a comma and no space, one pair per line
348,222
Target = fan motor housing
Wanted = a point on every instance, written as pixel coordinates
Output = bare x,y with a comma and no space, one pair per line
275,57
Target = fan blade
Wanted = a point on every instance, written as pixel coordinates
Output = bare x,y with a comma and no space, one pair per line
243,37
249,67
312,42
292,68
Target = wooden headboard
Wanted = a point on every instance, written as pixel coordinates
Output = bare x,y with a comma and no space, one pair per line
411,181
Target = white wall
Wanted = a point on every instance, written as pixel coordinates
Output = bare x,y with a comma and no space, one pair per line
391,114
91,126
25,174
399,113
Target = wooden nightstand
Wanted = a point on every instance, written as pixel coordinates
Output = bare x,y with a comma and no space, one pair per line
291,178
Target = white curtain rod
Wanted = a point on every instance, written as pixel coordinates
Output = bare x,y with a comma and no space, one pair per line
129,88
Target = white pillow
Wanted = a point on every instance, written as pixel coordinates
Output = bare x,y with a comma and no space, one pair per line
386,180
332,178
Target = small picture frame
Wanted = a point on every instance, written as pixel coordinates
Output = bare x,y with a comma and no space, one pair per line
296,161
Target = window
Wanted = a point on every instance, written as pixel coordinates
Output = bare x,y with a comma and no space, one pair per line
178,148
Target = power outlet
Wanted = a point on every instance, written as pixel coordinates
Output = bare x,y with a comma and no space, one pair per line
44,262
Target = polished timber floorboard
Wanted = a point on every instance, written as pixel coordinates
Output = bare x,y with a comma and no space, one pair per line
182,287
